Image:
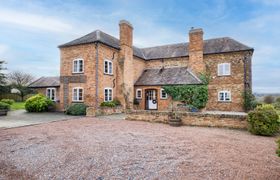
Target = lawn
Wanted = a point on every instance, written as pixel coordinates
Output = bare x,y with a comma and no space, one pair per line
17,105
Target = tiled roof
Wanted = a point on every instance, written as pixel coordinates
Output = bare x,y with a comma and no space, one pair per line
167,76
211,46
45,82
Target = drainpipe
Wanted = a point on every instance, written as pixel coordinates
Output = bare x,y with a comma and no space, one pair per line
96,76
247,56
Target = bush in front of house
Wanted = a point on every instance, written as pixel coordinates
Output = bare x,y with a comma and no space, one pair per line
263,120
8,101
249,102
108,104
278,150
4,106
113,103
76,109
38,103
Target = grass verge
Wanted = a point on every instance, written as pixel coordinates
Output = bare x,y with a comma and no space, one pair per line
17,106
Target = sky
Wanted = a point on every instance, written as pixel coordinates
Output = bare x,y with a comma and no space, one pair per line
31,30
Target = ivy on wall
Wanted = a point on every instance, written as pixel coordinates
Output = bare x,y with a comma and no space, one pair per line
193,95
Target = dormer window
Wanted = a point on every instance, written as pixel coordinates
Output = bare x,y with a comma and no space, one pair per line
108,67
224,69
78,66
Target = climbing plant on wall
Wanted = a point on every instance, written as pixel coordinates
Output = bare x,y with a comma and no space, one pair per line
193,95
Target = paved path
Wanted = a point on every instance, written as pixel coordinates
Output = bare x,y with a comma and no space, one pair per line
20,118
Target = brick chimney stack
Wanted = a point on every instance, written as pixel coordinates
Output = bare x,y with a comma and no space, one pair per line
126,79
196,63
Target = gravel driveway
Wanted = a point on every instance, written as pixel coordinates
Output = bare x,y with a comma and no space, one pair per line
90,148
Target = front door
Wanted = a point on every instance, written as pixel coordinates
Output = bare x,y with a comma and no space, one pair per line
151,99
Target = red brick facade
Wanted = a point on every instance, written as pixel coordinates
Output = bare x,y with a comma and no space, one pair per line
127,68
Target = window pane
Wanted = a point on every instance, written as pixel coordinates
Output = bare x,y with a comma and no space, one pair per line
227,96
80,94
138,94
227,69
81,64
106,95
106,67
75,95
163,94
52,94
75,66
221,96
220,69
110,95
110,68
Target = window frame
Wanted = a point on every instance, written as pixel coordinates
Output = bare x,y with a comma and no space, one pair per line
78,88
109,62
51,88
223,65
108,88
137,90
224,92
161,94
78,66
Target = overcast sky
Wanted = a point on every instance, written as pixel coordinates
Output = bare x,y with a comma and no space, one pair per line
30,31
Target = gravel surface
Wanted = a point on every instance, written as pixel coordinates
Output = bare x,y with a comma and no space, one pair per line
90,148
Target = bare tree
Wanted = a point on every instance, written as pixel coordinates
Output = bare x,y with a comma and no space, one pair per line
20,81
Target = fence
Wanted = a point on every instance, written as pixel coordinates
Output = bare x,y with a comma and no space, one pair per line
15,97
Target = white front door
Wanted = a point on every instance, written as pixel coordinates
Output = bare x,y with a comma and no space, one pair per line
151,99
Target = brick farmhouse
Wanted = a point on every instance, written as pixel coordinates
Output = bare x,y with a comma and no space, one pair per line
98,67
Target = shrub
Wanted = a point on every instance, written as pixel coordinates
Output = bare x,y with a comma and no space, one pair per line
4,106
136,101
278,150
277,105
38,103
278,99
268,99
8,101
116,102
263,120
113,103
249,102
76,109
108,104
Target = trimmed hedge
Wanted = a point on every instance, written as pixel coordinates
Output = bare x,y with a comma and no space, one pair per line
8,101
263,120
76,109
4,106
38,103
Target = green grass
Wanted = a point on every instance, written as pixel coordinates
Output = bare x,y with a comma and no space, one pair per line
17,105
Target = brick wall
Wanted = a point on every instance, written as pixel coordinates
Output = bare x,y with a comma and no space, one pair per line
233,83
194,119
168,62
67,55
